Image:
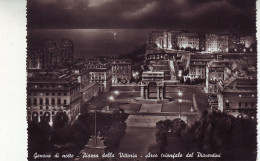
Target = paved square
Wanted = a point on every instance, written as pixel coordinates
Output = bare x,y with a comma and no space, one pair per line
151,108
175,106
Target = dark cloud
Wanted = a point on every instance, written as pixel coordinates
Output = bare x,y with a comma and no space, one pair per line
197,14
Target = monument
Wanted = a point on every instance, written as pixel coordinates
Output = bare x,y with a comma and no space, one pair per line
152,85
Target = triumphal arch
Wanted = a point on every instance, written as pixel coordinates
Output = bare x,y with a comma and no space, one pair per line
152,85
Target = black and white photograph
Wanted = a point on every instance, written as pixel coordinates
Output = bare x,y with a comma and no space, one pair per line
141,80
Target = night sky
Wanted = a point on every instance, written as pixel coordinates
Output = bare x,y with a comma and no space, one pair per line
188,14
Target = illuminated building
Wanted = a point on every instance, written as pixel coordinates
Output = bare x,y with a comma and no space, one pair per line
49,93
121,71
34,59
155,38
188,40
88,89
152,86
216,42
100,71
50,56
214,73
162,60
237,96
197,65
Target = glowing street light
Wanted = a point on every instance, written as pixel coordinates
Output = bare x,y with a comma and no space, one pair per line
179,93
180,101
111,98
116,92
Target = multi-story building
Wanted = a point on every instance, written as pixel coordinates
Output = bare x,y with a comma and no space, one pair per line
197,65
49,93
100,71
188,40
35,59
222,43
155,38
88,89
173,42
164,61
50,56
201,42
233,42
215,70
121,71
237,96
216,42
67,50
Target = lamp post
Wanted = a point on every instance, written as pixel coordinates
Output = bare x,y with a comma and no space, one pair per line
116,93
110,98
180,101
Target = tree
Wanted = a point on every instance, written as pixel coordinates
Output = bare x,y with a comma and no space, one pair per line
61,120
188,81
177,126
182,80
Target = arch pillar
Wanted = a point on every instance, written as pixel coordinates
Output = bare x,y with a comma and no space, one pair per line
158,92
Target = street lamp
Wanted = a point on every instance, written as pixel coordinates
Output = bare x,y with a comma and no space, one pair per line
116,93
110,98
180,93
180,101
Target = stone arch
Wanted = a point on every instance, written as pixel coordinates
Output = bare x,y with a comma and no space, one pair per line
152,90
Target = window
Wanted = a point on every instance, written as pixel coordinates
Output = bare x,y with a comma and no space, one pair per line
65,102
59,94
246,105
239,104
29,103
252,104
41,101
65,94
53,94
35,101
59,101
53,101
47,101
47,94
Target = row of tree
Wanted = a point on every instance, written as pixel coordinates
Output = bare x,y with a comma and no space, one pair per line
214,132
63,137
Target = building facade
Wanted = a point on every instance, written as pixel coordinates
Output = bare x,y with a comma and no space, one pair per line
121,71
215,71
48,94
188,40
237,96
101,72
